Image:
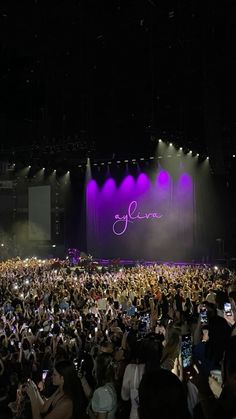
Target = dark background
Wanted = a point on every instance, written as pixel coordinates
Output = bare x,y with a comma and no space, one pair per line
106,79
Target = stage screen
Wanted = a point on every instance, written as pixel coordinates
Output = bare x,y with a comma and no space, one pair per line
39,211
141,218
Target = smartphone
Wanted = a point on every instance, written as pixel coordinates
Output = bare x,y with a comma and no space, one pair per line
228,309
186,350
75,362
81,366
142,326
44,375
203,314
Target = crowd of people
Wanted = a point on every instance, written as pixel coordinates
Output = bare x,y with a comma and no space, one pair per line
147,341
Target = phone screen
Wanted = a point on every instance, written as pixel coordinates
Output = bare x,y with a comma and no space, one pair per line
203,314
143,325
44,375
186,350
228,309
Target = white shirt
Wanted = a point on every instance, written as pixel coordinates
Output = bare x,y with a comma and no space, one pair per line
131,380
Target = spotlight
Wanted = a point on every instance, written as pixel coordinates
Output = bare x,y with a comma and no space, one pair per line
133,160
159,141
102,164
197,154
190,151
29,166
171,144
151,158
53,245
126,161
234,156
118,162
207,157
109,162
142,158
181,148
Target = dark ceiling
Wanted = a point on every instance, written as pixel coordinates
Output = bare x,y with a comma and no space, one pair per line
113,76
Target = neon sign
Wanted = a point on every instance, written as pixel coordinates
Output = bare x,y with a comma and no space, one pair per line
120,226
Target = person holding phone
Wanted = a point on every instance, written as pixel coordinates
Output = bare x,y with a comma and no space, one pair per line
63,404
223,406
171,347
232,319
210,351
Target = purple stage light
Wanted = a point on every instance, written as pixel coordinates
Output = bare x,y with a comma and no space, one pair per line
163,178
127,185
92,187
109,188
143,183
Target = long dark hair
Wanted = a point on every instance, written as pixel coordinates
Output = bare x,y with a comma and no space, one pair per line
104,369
71,383
162,395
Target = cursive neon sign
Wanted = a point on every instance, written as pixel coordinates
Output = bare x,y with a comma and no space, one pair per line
121,224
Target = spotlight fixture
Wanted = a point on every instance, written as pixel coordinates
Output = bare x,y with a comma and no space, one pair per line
171,144
118,162
133,160
151,158
102,164
109,162
29,166
95,164
197,154
234,156
159,141
207,157
126,161
141,158
181,148
190,151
